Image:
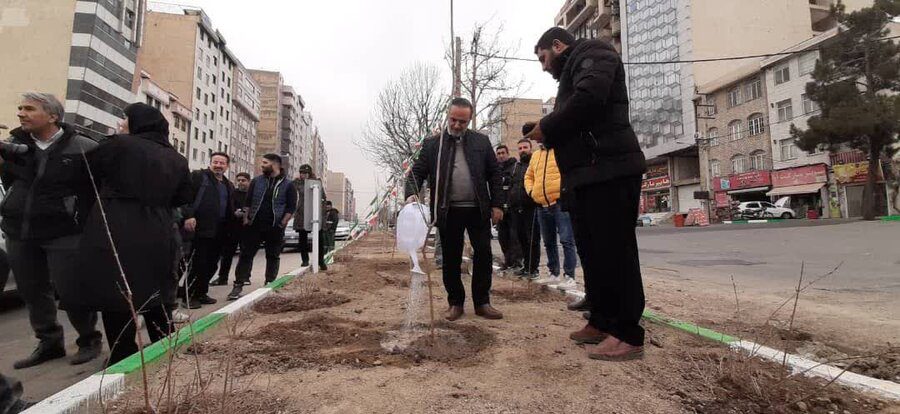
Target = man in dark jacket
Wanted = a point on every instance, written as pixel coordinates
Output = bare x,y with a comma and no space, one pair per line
207,220
525,216
601,165
466,198
235,227
330,218
271,202
304,173
506,229
48,196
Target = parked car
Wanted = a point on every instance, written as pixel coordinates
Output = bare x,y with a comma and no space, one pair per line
292,238
343,230
777,210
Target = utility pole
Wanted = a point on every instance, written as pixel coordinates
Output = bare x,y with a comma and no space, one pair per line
476,39
455,50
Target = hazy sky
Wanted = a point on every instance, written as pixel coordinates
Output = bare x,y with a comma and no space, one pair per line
338,54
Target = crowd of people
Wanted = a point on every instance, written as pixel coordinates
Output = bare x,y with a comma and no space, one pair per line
580,189
110,230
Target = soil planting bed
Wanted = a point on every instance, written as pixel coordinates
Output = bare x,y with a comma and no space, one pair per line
530,292
282,303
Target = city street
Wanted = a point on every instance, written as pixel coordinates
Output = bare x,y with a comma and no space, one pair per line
46,379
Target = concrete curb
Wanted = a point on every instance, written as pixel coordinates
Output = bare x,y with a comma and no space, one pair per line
798,364
752,221
86,395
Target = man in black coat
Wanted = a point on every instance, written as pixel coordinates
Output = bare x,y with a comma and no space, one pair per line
506,229
465,199
48,197
207,220
235,227
524,215
601,165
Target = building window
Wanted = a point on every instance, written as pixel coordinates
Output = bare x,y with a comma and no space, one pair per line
194,156
203,157
755,124
789,149
197,114
129,19
782,74
206,99
753,90
735,128
196,134
198,93
713,136
785,110
714,168
808,63
734,97
199,73
214,79
809,106
757,160
737,164
204,137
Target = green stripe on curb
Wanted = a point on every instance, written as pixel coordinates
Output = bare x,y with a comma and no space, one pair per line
891,218
690,328
280,282
161,347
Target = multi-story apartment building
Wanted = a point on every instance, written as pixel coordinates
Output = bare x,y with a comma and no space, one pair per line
340,192
83,52
592,19
187,56
268,134
292,108
245,108
176,113
319,158
507,118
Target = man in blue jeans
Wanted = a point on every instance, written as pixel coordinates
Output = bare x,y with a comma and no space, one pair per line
543,183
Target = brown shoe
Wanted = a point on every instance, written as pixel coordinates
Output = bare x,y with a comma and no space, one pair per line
453,313
588,335
612,349
488,312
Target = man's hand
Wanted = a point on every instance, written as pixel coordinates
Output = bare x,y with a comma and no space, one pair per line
536,134
190,225
412,199
496,215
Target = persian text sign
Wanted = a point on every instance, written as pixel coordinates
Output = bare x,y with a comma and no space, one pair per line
809,174
651,183
743,180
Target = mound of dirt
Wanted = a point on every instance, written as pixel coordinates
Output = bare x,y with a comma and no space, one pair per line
528,293
247,401
299,302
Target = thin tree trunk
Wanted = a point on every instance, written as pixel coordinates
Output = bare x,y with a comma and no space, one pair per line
869,203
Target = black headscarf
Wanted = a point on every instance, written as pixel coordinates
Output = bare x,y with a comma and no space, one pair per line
147,121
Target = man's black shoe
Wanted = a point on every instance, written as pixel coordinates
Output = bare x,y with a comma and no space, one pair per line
581,305
235,293
192,304
323,266
205,300
87,353
304,264
39,356
220,282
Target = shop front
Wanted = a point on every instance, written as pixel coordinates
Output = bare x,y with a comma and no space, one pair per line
738,188
851,179
656,190
807,188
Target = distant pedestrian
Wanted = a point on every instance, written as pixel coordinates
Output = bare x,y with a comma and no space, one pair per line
11,396
141,180
271,202
304,173
602,166
544,184
330,218
507,233
48,196
207,219
235,228
465,199
525,215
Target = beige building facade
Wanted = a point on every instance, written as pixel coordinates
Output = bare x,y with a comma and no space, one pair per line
292,108
508,117
268,132
176,113
245,110
340,193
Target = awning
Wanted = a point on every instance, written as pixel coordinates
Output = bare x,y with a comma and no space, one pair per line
749,190
796,189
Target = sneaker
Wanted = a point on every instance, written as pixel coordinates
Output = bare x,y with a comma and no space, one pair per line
568,283
235,293
180,317
521,272
549,280
533,276
205,300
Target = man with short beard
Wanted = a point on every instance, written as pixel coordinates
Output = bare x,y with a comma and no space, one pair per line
271,202
466,198
235,228
601,165
207,220
507,233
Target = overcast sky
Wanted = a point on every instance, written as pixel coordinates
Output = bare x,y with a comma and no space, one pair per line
338,54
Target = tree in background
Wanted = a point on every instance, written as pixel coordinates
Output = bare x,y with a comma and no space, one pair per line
407,109
856,84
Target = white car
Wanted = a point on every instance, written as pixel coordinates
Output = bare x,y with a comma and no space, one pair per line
777,210
342,232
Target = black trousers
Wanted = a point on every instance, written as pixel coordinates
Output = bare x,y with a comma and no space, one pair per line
462,220
204,259
303,245
38,266
507,235
273,238
229,249
529,237
121,332
606,214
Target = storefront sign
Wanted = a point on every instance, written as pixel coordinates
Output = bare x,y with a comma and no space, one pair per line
657,171
810,174
855,173
743,180
652,183
722,200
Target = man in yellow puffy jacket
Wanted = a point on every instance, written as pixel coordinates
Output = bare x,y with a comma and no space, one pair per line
543,182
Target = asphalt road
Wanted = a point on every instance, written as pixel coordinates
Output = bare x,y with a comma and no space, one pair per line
17,339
